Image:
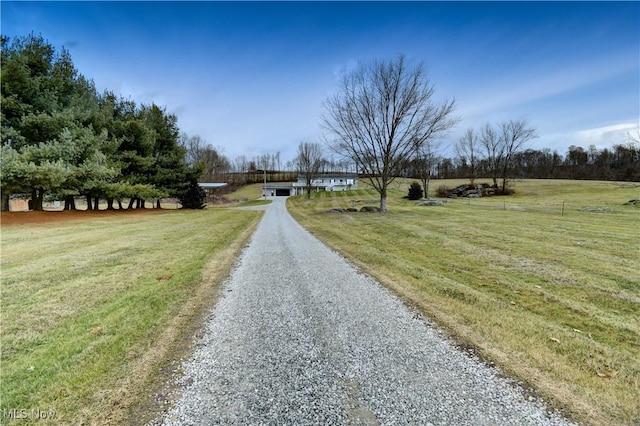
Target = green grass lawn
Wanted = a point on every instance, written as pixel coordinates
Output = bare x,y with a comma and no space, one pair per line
551,296
92,310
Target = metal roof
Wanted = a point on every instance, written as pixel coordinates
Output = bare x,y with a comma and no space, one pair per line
332,175
212,184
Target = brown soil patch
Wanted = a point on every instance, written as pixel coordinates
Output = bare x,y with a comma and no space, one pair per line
48,216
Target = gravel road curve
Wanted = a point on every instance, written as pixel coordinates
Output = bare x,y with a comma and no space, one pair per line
301,337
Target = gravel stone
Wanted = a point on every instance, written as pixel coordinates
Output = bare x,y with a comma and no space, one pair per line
301,336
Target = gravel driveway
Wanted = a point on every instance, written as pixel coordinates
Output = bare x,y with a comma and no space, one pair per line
302,337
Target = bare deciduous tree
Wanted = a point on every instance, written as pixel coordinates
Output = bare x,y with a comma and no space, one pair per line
501,146
309,160
493,151
193,146
382,112
425,161
214,163
467,148
514,135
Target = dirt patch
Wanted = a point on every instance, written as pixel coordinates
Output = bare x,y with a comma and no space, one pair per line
48,216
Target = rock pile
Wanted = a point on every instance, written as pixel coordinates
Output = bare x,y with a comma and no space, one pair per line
365,209
370,209
472,191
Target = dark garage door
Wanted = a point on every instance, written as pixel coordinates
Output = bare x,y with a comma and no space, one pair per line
282,192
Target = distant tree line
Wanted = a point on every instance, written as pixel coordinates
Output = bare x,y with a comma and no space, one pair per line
618,163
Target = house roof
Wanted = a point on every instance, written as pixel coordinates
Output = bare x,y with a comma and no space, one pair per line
333,175
278,185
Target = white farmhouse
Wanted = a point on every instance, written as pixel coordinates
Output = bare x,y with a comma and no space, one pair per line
324,182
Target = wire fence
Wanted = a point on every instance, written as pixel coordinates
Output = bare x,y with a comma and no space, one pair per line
560,208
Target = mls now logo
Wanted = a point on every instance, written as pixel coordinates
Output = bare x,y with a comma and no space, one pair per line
23,414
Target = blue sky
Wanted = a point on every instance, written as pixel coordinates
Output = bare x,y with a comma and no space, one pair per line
250,77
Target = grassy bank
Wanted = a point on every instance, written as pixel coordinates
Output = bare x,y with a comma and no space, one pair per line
246,193
545,283
93,309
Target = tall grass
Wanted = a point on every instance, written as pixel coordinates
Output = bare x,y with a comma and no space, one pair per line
92,309
551,296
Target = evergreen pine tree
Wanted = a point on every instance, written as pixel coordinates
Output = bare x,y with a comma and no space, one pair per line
415,191
193,197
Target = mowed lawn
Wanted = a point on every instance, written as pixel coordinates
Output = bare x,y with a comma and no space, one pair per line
551,296
93,310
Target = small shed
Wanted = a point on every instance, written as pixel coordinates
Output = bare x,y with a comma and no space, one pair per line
210,187
206,185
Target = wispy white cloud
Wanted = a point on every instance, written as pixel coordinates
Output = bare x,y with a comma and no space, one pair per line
606,136
601,137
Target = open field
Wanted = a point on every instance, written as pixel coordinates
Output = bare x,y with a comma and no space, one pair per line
551,296
94,309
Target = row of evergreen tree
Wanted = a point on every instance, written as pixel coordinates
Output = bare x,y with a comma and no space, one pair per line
62,139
